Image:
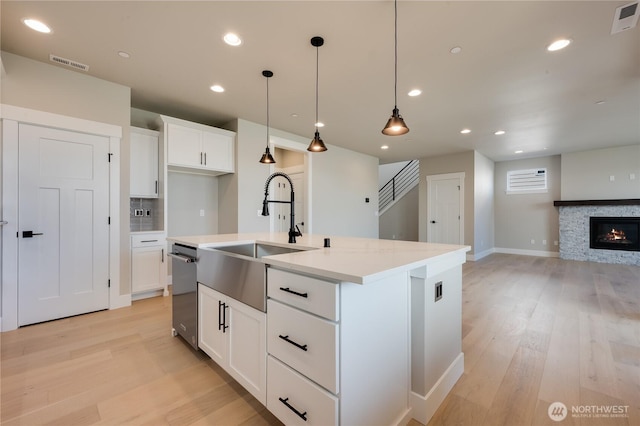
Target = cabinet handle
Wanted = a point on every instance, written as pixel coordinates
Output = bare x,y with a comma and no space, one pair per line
162,256
222,316
156,187
200,158
288,290
297,345
149,241
303,416
205,158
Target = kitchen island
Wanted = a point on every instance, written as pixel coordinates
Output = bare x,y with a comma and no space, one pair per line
365,331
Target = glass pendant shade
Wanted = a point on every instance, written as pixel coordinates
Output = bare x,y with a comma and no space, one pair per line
396,125
316,144
267,158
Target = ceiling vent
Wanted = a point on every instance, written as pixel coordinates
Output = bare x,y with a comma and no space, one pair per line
626,17
69,63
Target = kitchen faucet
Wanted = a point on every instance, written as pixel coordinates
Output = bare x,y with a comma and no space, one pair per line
265,205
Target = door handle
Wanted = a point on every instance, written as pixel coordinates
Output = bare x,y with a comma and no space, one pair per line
3,222
30,234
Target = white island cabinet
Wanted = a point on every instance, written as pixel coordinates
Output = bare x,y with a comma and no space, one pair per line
365,332
233,335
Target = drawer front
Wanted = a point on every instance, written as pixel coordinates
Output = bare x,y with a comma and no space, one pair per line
306,343
147,240
288,391
310,294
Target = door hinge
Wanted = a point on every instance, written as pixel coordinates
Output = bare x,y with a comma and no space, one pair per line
109,220
109,156
458,187
109,283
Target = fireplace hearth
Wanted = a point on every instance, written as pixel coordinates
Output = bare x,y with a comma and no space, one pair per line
614,233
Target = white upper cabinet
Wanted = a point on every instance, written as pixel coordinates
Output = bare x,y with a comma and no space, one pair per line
198,148
144,163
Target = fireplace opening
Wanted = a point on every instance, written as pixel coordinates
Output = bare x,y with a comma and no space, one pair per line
615,233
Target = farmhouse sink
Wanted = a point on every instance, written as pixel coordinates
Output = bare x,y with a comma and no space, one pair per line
237,271
258,250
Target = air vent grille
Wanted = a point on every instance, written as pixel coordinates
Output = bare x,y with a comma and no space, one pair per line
69,63
527,181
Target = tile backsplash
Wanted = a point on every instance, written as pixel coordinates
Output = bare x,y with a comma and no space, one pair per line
144,214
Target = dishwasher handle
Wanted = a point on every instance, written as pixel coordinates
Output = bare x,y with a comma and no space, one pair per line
182,257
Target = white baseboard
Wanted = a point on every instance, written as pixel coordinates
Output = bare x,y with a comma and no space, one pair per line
539,253
424,407
477,256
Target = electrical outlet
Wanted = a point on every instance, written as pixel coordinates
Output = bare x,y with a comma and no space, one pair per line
533,241
555,243
632,176
259,212
612,178
544,242
201,212
438,292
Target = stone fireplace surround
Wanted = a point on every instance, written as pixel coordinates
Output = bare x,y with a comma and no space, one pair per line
574,229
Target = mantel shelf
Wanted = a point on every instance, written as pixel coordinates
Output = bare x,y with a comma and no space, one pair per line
621,202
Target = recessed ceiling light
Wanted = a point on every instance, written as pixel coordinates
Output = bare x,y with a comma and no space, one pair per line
500,132
124,54
232,39
36,25
217,88
600,102
294,115
558,44
519,151
319,124
456,49
384,147
415,92
465,131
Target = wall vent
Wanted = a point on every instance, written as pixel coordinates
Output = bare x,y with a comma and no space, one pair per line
527,181
69,63
625,18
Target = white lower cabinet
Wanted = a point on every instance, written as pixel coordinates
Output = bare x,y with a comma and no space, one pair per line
338,352
296,400
148,263
233,335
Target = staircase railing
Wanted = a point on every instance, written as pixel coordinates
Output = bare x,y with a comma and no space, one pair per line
398,185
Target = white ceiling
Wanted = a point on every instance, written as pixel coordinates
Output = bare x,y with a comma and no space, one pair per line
503,79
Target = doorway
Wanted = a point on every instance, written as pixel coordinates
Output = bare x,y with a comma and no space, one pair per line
445,210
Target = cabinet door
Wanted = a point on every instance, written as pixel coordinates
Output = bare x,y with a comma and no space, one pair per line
184,146
146,269
144,165
211,339
218,151
248,348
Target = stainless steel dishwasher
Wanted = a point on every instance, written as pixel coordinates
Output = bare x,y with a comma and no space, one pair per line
185,293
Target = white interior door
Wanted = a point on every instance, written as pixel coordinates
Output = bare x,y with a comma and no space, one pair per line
445,209
63,265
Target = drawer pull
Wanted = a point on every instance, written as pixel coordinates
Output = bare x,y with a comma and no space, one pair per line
303,416
297,345
149,241
288,290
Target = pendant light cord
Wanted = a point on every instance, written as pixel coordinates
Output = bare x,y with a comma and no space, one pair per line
267,112
317,74
395,44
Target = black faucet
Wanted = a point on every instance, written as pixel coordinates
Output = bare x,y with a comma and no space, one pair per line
265,205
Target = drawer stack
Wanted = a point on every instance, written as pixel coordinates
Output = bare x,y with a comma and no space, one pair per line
303,339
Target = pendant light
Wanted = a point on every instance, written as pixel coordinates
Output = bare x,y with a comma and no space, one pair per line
395,126
267,158
316,144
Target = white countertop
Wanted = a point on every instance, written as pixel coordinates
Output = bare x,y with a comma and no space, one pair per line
358,260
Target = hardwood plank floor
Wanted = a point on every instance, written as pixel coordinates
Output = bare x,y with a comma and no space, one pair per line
535,331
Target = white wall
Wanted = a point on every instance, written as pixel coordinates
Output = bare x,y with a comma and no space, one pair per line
43,87
483,210
520,218
587,175
189,195
341,180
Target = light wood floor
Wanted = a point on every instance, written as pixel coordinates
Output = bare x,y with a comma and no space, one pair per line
536,331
